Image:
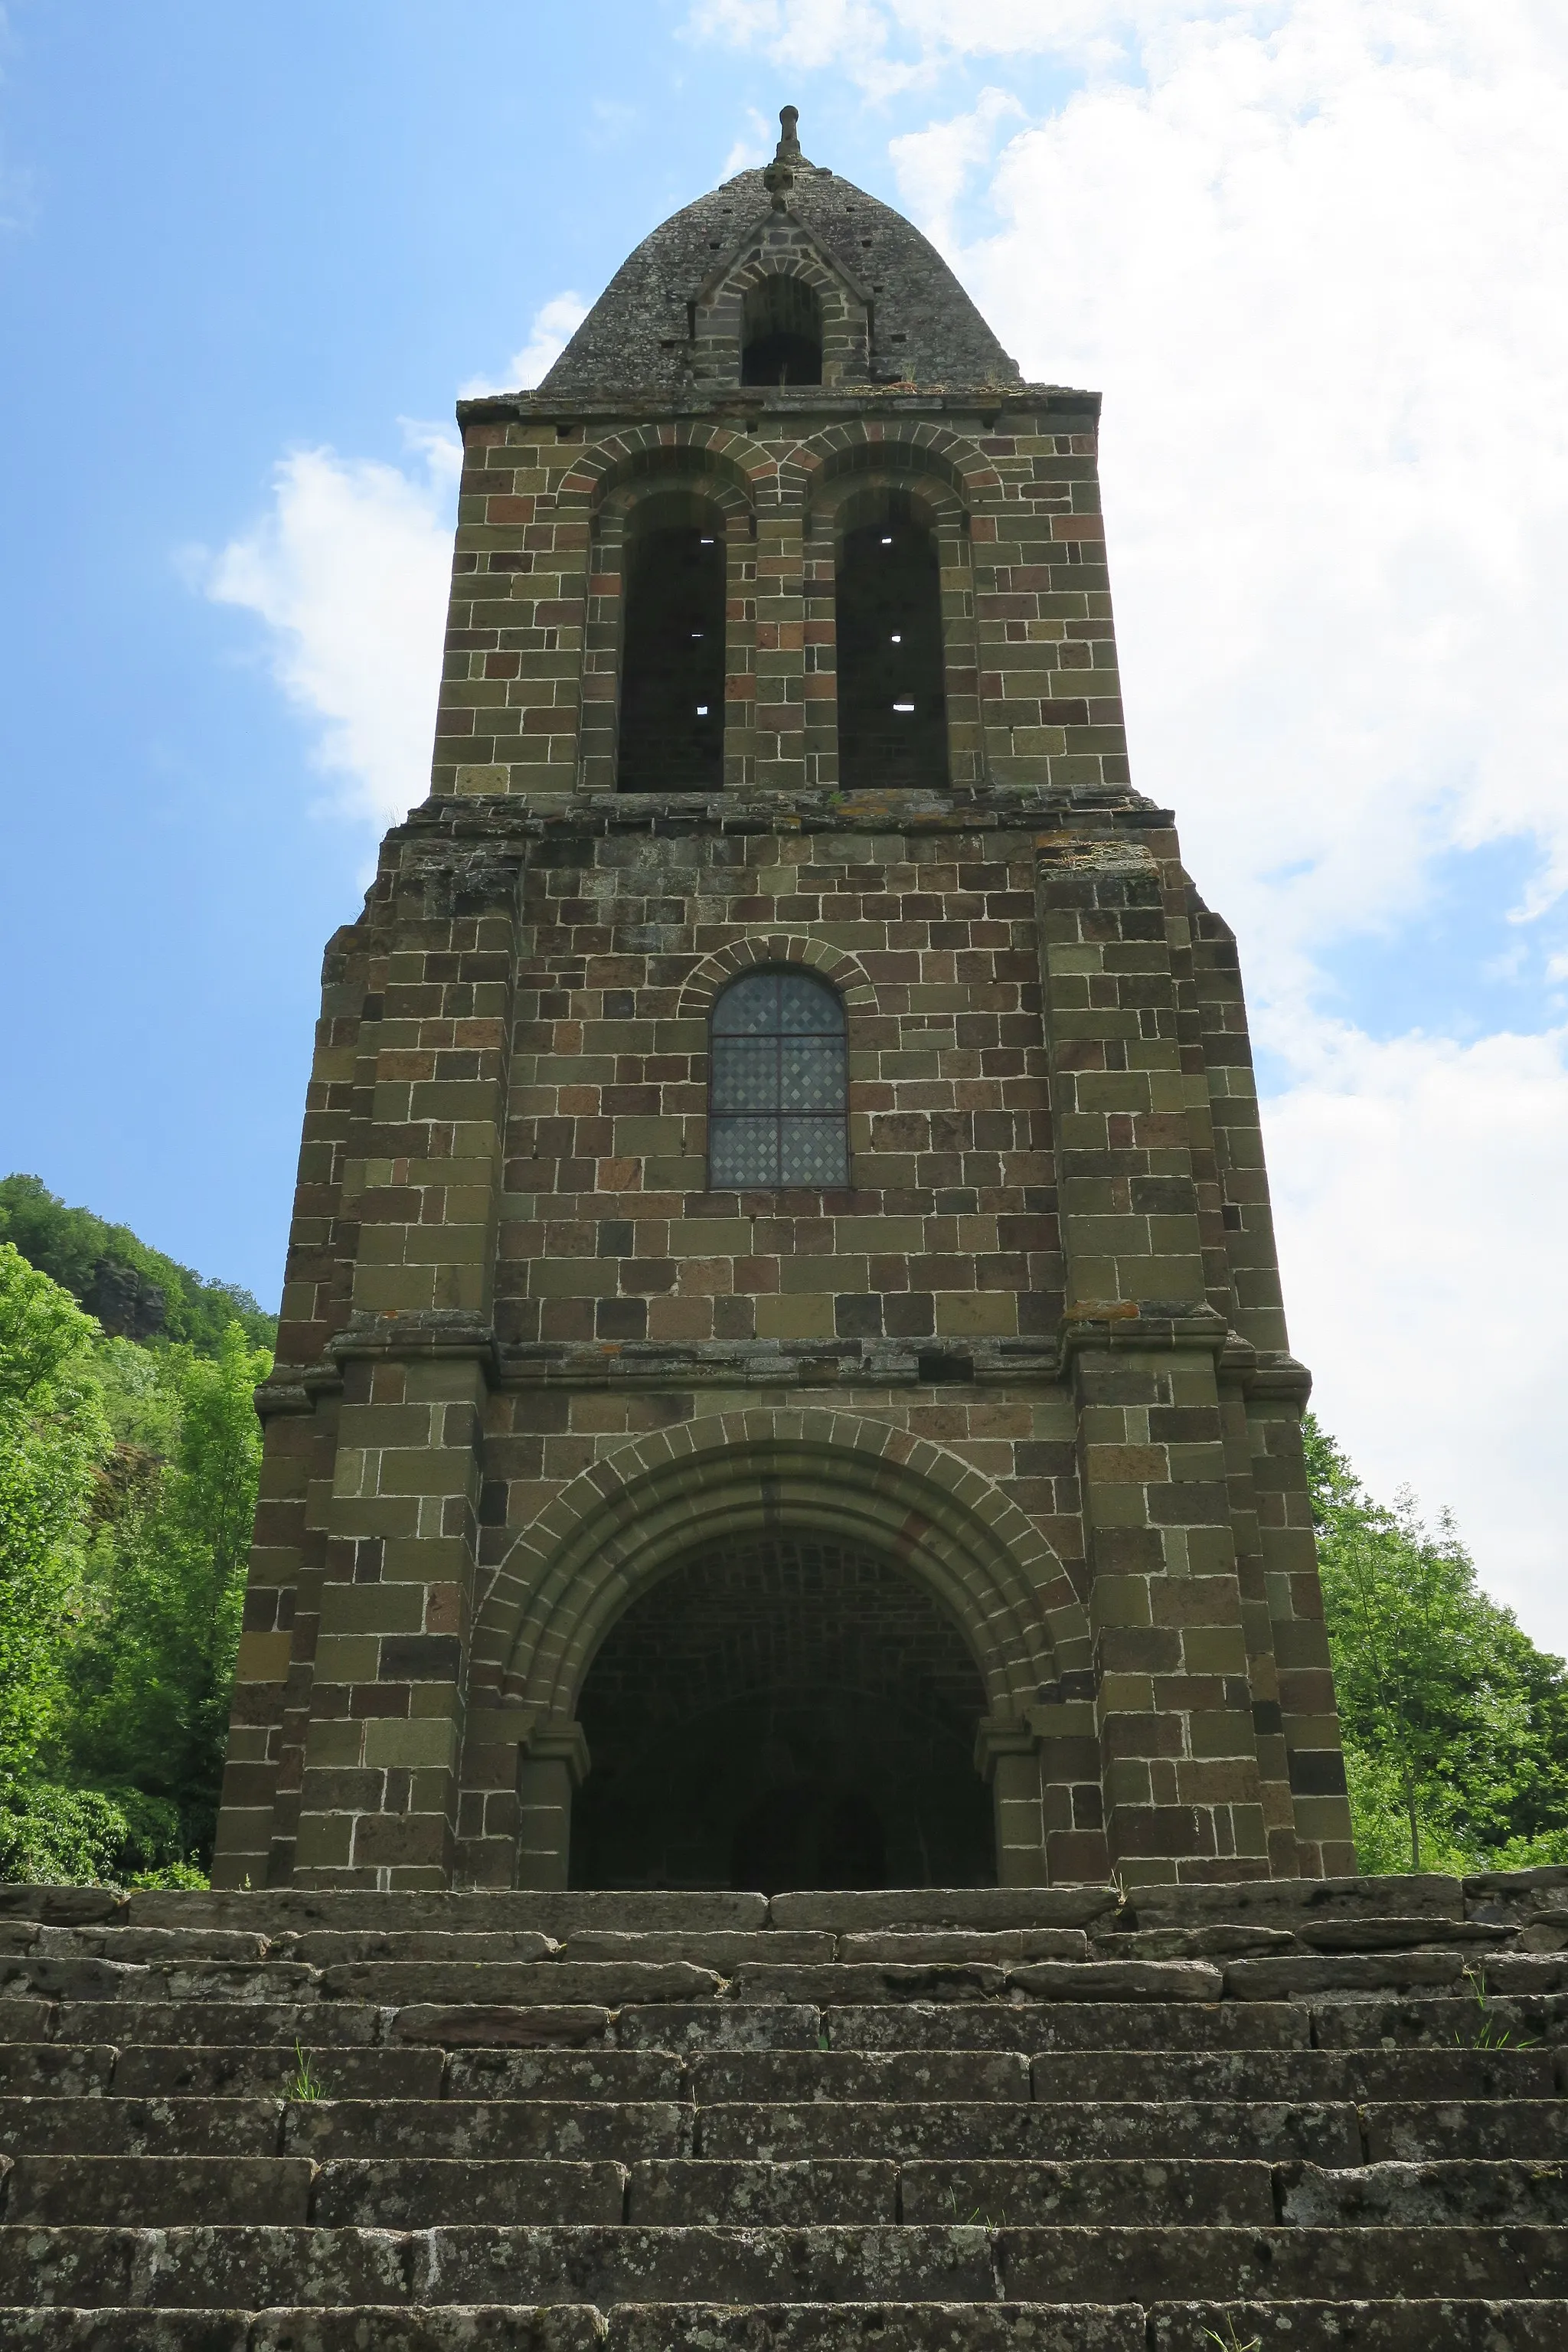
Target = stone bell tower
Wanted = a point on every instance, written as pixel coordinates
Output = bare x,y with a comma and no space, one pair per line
783,1377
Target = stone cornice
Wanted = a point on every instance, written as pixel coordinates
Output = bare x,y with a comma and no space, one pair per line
779,404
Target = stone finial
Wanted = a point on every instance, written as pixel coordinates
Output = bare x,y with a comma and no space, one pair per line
779,177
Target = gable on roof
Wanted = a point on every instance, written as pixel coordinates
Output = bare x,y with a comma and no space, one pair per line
922,327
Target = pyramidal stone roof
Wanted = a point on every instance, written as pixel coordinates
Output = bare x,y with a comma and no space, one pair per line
637,336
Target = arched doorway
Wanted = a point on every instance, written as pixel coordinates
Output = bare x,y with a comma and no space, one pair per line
786,1711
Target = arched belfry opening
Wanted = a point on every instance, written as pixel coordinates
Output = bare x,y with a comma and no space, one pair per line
781,332
671,730
892,701
783,1711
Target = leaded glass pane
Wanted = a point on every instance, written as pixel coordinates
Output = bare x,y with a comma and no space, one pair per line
744,1151
811,1151
778,1097
807,1004
811,1073
748,1006
746,1074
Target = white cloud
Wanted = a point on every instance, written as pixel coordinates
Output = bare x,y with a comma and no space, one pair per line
1417,1189
1312,252
554,324
1336,429
891,48
753,148
348,569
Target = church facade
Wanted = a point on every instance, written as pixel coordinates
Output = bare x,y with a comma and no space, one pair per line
783,1377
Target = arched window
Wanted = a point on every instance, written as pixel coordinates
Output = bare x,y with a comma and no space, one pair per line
892,703
781,332
777,1091
672,651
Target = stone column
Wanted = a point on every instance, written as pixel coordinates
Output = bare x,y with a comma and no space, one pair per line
552,1760
740,650
1006,1754
821,653
781,736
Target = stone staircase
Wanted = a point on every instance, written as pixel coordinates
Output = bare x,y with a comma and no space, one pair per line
1285,2115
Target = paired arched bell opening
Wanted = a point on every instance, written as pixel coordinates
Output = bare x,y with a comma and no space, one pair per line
673,693
792,1658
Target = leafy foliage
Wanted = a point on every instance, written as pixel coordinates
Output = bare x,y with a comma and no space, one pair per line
1456,1725
128,1481
55,1835
154,1662
85,1256
53,1435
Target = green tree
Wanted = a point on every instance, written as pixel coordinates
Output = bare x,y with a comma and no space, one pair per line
89,1257
155,1665
1455,1723
53,1435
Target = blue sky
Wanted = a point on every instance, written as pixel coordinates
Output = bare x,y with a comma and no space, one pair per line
247,258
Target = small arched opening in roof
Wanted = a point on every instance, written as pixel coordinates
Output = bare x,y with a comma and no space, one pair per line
781,332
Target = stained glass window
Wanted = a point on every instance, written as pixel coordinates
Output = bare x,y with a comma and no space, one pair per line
779,1072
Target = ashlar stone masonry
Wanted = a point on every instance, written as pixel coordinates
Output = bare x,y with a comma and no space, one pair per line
783,1377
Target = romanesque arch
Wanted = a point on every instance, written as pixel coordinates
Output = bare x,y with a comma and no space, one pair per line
613,1532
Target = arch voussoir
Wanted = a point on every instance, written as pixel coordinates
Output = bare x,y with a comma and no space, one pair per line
632,1515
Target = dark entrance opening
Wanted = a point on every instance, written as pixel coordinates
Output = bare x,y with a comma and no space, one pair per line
673,660
781,334
808,1833
892,701
782,1712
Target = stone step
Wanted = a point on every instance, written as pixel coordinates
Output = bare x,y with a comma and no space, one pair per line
39,1976
1360,2073
621,2130
153,2070
1275,2133
242,2267
1490,2193
1396,2327
1211,2190
111,1942
1072,2026
788,2075
147,2070
1521,2325
746,2075
1404,2131
276,1910
141,2127
708,2024
727,2024
418,2193
1333,2132
1505,2022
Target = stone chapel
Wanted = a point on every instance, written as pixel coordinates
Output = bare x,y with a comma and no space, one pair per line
782,1380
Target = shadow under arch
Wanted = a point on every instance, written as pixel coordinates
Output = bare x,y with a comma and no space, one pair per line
619,1526
785,1711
